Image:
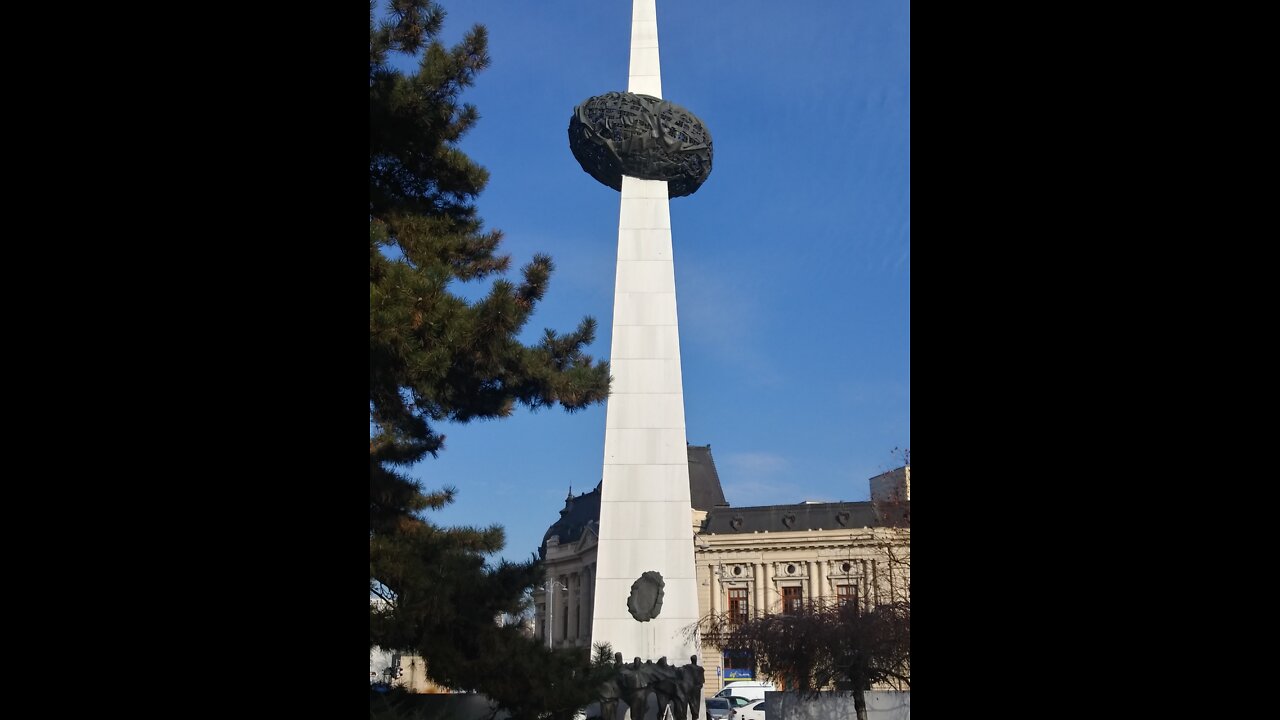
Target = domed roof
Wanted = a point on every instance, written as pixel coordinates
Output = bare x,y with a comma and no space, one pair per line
578,513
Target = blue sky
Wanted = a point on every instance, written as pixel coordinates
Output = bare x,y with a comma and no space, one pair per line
793,261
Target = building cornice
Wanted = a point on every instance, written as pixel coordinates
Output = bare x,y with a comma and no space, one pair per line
772,541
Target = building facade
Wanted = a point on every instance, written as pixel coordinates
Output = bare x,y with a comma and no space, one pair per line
750,560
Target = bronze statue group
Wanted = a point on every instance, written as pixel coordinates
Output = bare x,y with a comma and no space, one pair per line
679,688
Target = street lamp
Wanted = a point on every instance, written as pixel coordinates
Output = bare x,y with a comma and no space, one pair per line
550,587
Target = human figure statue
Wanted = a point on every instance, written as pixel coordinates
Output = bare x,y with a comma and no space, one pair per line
666,685
610,691
635,689
691,681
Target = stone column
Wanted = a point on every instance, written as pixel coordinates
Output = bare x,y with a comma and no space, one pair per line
568,608
589,597
768,589
757,602
815,588
561,598
714,587
577,606
865,584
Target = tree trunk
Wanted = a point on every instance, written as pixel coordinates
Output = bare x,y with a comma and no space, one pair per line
860,703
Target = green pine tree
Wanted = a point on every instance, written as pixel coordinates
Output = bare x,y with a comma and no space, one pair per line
435,357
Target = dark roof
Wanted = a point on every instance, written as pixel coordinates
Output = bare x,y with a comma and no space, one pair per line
583,511
810,516
705,492
578,513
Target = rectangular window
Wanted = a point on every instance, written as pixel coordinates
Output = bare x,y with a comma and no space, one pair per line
739,607
846,594
791,600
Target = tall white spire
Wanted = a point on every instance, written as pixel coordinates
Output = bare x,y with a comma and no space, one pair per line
645,77
645,512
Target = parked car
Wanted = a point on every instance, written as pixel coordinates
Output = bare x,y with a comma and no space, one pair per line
721,708
749,689
718,708
752,711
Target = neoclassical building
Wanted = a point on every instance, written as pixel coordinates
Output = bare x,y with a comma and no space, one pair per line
749,559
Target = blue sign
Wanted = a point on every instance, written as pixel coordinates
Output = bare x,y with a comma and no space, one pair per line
737,674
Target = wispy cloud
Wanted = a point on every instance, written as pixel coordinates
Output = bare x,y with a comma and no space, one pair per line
757,478
722,318
757,463
750,493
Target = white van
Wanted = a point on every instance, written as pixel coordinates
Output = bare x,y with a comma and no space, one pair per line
749,689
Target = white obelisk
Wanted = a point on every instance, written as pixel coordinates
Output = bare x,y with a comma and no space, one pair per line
645,514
